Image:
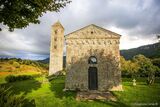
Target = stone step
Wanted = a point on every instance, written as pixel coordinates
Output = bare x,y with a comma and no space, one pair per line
95,95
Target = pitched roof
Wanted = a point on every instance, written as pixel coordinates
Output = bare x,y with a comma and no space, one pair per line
103,29
58,23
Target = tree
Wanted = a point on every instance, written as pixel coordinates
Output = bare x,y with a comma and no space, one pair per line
133,69
129,68
19,13
146,67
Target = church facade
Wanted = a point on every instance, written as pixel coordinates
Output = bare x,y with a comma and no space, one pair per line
92,59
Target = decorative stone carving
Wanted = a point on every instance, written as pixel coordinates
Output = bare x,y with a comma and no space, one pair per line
92,41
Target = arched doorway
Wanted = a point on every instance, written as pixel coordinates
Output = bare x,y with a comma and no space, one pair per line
92,78
92,74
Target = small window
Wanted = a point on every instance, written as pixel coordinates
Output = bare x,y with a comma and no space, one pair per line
55,39
55,47
55,31
91,32
92,60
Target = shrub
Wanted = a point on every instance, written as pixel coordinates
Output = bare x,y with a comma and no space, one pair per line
13,78
7,99
10,61
16,64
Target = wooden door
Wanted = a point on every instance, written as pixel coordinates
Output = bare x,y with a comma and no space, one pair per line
92,78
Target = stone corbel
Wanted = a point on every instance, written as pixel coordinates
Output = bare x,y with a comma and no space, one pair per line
87,42
99,43
99,32
118,42
93,42
109,42
104,42
83,42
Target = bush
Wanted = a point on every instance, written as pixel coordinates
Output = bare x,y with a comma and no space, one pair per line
10,61
13,78
8,99
16,64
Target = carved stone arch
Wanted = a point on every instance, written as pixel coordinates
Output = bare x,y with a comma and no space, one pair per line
87,42
99,42
92,42
102,42
92,60
83,42
99,32
77,42
73,42
83,33
87,32
117,42
109,42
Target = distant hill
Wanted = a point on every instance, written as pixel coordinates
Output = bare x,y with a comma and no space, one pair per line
150,51
46,61
19,65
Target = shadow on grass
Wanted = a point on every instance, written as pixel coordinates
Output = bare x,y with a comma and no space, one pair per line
9,99
24,86
30,103
57,86
138,93
113,103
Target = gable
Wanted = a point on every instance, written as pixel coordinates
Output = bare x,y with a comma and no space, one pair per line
92,32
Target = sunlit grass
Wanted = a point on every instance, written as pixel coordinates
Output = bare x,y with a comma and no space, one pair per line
50,93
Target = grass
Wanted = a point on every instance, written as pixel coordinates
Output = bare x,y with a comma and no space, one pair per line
3,75
140,94
43,93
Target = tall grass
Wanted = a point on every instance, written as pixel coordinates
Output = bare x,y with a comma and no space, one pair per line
7,99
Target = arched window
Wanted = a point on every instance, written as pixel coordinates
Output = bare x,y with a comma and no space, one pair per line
92,60
55,47
55,39
55,31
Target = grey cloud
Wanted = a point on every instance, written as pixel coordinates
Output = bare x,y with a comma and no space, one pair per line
137,17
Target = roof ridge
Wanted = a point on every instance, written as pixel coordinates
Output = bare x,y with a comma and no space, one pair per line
79,29
106,30
94,26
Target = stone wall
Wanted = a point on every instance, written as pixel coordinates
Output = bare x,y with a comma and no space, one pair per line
93,42
56,49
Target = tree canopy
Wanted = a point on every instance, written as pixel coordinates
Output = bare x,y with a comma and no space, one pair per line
19,13
139,66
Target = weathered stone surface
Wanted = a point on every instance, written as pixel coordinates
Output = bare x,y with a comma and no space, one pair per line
56,49
93,95
98,42
80,46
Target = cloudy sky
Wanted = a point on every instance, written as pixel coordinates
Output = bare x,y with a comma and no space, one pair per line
137,20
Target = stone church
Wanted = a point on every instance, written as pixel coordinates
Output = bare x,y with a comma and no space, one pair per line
92,58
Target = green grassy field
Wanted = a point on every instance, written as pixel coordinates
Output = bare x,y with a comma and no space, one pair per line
43,93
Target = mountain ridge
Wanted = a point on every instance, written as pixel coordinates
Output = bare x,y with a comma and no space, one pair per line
150,51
